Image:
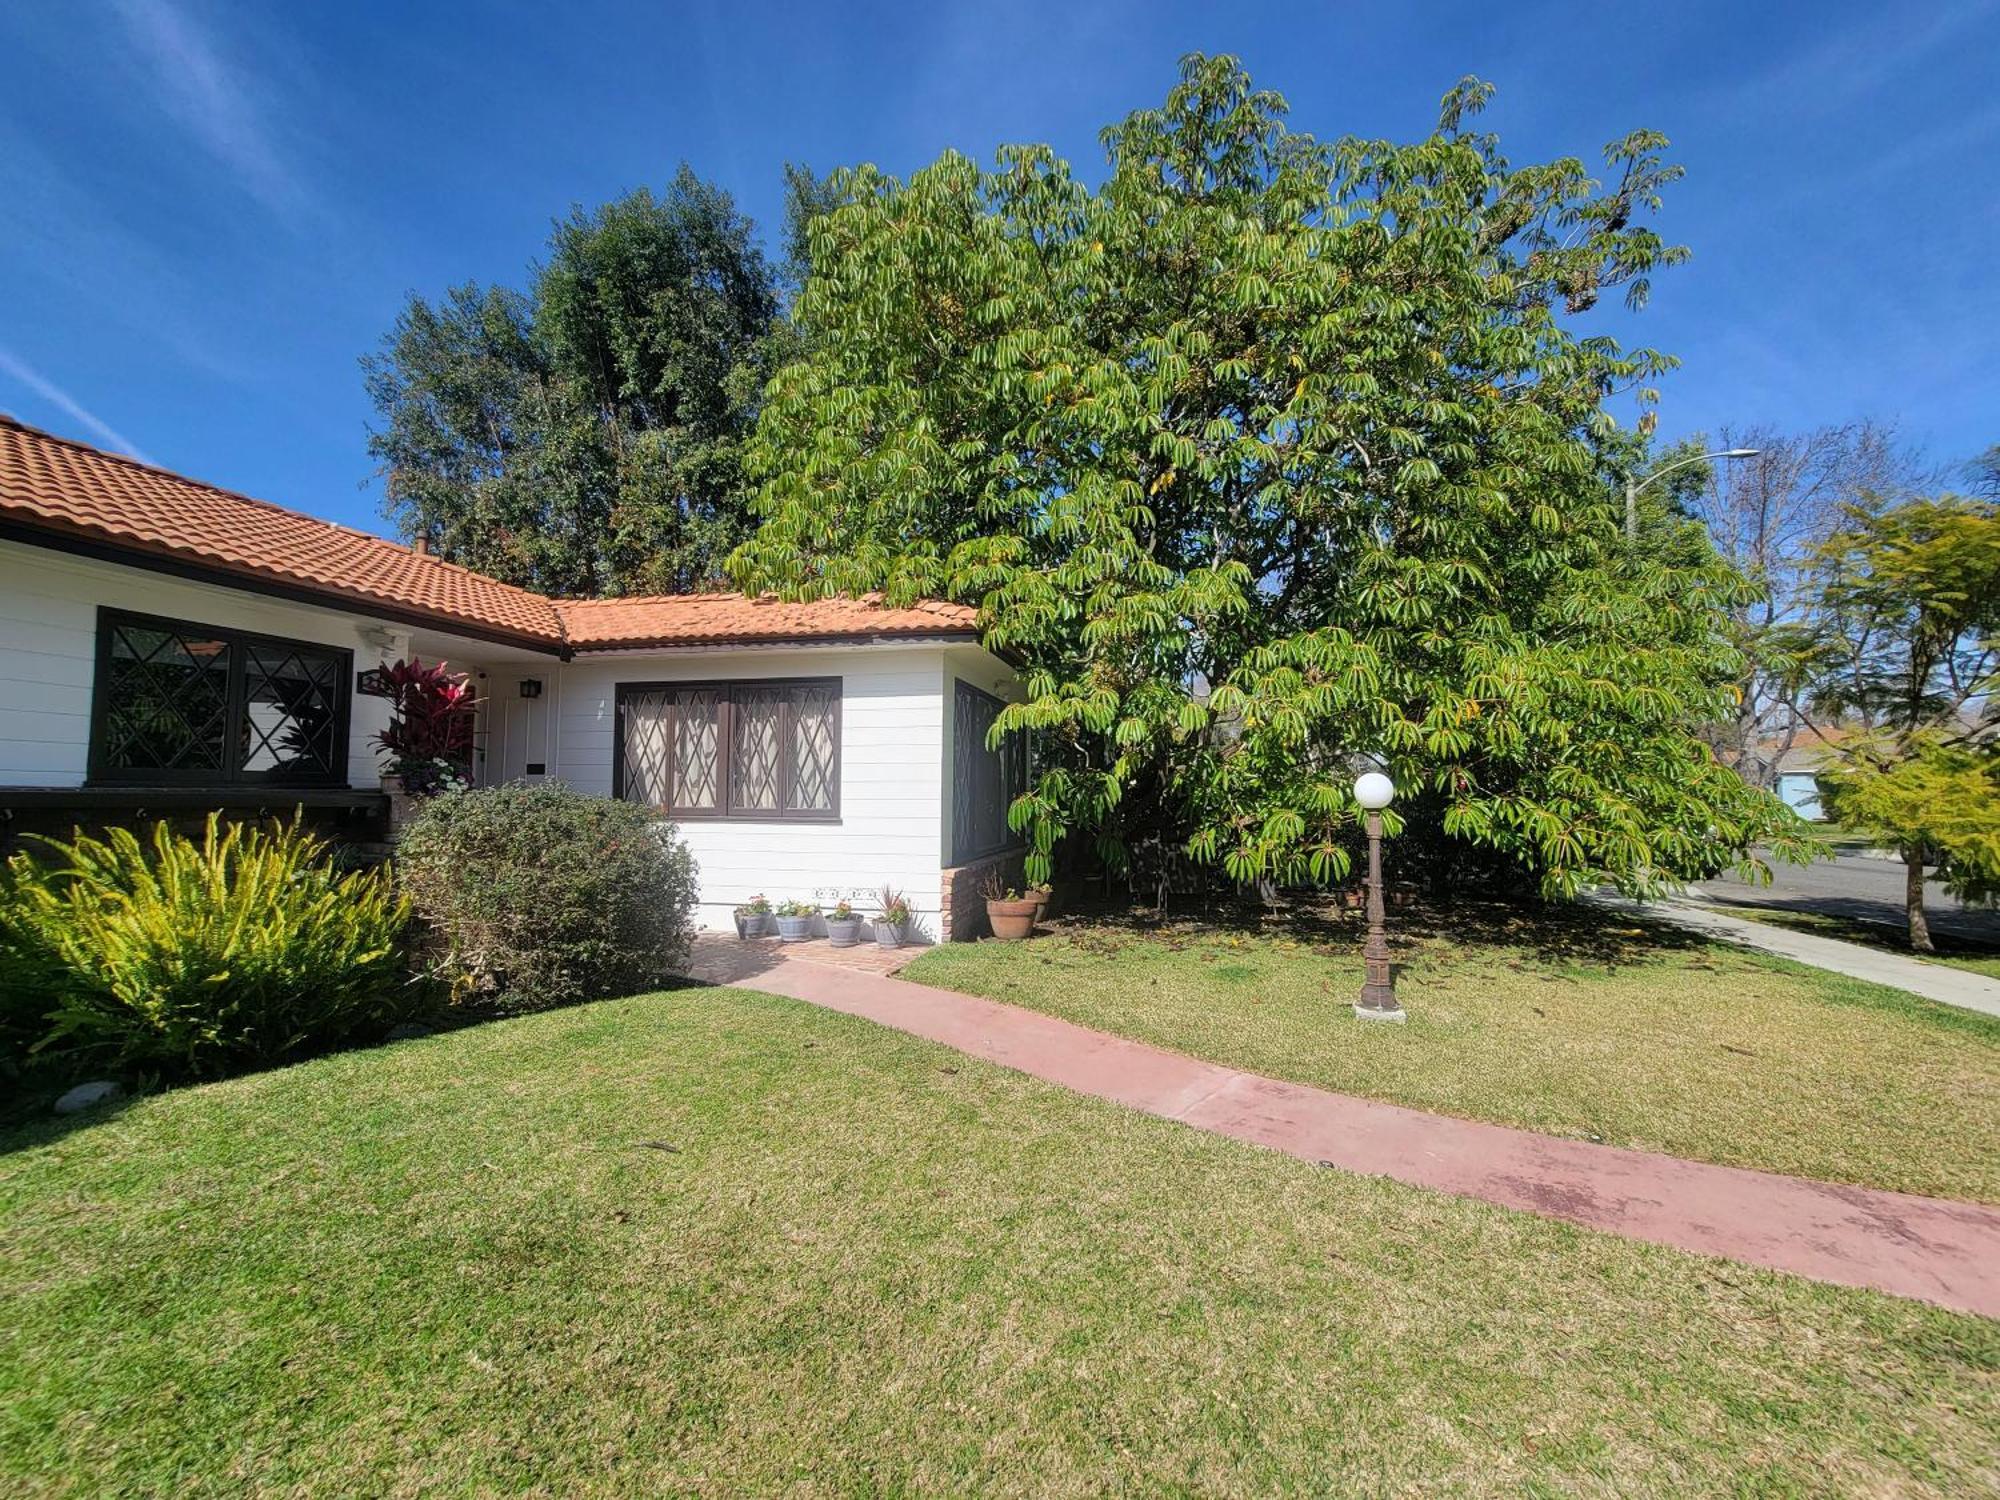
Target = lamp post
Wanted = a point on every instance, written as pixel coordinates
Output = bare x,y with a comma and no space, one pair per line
1374,791
1632,488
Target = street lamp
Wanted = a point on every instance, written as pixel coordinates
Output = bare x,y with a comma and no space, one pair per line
1374,791
1632,489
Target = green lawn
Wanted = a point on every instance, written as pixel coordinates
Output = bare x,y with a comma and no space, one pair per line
1584,1026
715,1242
1976,958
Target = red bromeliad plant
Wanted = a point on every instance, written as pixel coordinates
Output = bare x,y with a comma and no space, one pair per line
429,738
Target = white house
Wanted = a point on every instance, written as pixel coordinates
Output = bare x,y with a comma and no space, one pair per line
167,646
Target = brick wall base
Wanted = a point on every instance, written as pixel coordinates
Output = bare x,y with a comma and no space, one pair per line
962,916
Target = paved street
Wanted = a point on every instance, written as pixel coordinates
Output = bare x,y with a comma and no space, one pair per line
1857,887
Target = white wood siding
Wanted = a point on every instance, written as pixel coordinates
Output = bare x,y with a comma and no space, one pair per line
48,653
892,724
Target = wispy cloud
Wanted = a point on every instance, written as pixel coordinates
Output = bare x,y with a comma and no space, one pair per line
1850,63
25,374
65,243
213,100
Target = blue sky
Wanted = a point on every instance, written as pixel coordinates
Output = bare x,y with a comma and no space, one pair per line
213,210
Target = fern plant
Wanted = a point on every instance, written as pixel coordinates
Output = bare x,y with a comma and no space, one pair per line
192,959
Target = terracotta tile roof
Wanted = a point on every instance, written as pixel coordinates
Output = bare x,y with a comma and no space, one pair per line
718,619
57,486
54,484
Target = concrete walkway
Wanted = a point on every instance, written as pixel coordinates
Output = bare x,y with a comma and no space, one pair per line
1929,1248
1939,982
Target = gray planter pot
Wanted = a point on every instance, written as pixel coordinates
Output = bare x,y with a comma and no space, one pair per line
889,935
753,926
843,932
792,929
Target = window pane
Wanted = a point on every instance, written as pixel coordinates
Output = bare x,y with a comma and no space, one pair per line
754,757
648,729
291,712
984,781
697,736
166,703
815,719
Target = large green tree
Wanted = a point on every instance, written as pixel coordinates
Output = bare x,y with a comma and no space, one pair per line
585,436
1909,624
1265,455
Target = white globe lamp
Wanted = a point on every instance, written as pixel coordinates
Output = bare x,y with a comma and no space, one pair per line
1374,791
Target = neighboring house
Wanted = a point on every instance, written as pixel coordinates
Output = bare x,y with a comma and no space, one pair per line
1798,788
167,646
1795,767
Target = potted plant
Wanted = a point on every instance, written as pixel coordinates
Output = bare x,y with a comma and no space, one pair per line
1043,894
843,925
1010,914
753,918
428,744
892,917
795,920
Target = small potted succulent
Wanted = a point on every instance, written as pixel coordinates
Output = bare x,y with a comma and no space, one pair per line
892,917
1010,914
795,920
843,925
753,918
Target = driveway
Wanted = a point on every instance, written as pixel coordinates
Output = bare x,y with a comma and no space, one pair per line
1856,887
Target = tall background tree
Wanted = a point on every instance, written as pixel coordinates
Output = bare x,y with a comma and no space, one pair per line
1266,455
1908,616
585,435
1768,517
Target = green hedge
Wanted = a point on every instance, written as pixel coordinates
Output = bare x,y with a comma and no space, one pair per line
536,895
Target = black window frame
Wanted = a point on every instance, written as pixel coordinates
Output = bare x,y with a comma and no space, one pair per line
100,773
1010,762
726,690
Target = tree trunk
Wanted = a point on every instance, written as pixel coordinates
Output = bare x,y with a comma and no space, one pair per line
1913,898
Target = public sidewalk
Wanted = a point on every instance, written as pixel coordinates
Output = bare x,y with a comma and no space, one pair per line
1939,982
1929,1248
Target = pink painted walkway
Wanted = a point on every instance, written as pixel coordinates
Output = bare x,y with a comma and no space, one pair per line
1929,1248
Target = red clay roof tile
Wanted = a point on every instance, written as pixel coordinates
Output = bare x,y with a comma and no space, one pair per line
709,619
65,488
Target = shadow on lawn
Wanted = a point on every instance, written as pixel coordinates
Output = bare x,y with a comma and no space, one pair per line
1561,933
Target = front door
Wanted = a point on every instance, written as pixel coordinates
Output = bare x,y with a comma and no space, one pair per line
519,710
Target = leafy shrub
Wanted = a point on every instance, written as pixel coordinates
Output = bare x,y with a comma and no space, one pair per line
166,956
538,895
430,733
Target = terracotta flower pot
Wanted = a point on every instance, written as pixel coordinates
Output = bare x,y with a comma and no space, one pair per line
1012,920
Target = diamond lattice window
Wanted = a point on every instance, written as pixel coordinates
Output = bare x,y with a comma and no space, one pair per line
815,714
185,704
763,750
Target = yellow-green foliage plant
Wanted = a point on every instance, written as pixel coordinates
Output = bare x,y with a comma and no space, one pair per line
181,958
